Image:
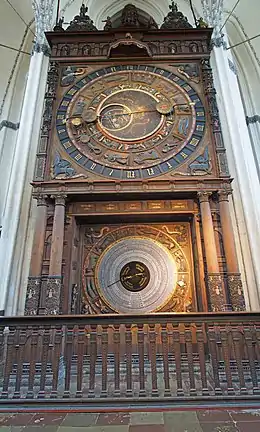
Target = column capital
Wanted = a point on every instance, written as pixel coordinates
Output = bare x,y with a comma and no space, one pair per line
42,200
203,196
223,195
43,12
60,199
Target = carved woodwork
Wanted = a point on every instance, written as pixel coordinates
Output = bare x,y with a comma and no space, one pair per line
109,283
131,129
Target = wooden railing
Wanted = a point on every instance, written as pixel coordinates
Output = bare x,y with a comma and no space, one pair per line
163,356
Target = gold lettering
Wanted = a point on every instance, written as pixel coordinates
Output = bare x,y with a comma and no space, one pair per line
78,157
194,142
72,91
130,174
184,155
67,145
150,171
111,172
93,166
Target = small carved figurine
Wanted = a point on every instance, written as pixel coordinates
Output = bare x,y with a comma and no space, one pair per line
201,23
83,10
59,25
108,25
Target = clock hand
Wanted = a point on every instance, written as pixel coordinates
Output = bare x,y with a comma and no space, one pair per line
126,278
132,276
119,280
143,111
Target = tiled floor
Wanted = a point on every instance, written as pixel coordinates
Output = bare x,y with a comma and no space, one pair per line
168,421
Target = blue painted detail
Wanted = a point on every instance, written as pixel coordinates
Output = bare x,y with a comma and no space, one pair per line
62,167
201,163
183,126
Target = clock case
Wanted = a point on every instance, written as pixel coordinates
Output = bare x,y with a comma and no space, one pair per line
92,199
184,54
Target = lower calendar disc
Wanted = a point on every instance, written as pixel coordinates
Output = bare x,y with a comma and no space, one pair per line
136,275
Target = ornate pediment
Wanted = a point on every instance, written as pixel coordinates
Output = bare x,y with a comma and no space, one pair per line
175,19
131,18
82,22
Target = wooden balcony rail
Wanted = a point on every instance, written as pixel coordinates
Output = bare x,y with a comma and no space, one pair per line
160,356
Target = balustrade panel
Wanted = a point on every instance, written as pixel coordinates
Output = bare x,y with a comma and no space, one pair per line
141,357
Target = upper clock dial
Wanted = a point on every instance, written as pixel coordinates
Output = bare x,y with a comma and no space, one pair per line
129,115
130,122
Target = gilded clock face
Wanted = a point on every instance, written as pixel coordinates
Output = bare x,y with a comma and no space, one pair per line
130,122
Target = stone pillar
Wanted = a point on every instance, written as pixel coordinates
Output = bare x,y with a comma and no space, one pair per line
51,293
217,294
34,280
202,292
15,242
17,185
233,275
243,168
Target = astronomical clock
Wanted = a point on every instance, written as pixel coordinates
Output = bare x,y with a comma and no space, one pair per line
131,121
130,172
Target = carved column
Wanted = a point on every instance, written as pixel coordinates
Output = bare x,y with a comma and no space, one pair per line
233,274
34,280
50,300
217,295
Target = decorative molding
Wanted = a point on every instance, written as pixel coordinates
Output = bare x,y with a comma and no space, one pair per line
42,48
218,42
215,283
213,14
198,46
232,67
52,81
52,286
236,292
43,11
8,124
210,93
32,296
253,119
